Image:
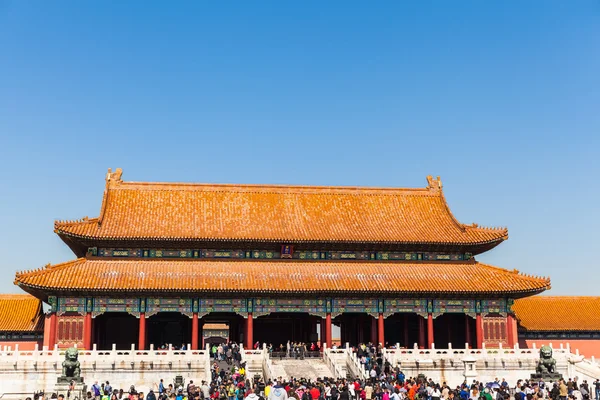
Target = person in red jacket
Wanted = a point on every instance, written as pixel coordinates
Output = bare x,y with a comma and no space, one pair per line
315,393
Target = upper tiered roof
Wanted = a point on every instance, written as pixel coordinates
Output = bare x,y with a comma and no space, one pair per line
143,211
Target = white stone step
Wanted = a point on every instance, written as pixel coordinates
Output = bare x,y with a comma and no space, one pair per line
309,368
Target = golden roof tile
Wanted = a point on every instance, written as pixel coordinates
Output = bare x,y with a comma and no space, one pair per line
558,313
279,276
276,213
20,313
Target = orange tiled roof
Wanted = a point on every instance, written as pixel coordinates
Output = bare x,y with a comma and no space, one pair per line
215,326
558,313
284,214
20,312
279,276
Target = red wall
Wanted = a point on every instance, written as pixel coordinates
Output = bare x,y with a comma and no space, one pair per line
29,345
587,347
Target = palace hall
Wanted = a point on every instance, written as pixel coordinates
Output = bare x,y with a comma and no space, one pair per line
180,263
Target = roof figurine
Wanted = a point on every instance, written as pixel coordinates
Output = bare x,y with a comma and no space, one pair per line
435,184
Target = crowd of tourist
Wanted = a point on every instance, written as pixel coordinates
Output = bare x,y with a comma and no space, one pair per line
229,381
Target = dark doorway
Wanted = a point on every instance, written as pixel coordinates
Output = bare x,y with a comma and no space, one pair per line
402,328
167,328
235,323
279,328
116,328
449,328
355,328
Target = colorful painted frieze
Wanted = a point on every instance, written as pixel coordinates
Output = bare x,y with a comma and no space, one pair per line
453,306
290,305
354,306
71,304
154,305
493,306
106,304
405,306
223,305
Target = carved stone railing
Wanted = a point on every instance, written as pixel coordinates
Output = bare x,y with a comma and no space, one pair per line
254,360
456,365
332,358
268,370
39,369
396,355
356,367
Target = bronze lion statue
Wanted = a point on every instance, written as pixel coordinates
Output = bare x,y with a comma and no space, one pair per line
546,364
71,366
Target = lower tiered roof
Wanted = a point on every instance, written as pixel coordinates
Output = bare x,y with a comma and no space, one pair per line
279,277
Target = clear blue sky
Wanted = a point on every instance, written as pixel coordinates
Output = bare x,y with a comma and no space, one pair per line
500,98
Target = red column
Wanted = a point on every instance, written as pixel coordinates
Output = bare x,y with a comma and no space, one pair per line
249,331
406,344
468,330
429,330
52,331
87,331
46,330
328,329
195,331
509,330
421,332
381,329
479,330
142,333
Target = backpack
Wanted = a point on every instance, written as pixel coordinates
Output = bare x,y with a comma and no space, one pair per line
306,396
240,393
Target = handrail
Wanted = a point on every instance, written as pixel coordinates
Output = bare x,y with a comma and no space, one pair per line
358,369
331,364
268,372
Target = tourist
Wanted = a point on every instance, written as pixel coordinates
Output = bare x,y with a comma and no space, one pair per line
563,390
96,390
344,395
277,392
315,393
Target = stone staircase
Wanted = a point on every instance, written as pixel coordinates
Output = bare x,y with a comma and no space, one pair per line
309,368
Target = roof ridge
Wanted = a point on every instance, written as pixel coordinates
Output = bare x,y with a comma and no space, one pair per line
48,267
65,222
7,296
114,181
267,188
517,272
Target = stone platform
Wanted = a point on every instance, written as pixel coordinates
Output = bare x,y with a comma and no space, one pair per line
79,390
